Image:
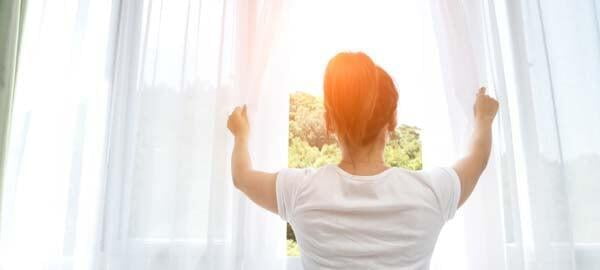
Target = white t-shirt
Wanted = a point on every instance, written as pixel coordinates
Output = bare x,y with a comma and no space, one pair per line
386,221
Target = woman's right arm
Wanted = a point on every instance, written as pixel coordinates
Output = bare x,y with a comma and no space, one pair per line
470,167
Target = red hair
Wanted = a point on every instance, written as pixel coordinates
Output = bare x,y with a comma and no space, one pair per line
360,99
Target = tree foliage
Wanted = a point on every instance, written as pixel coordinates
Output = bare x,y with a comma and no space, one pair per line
311,146
306,120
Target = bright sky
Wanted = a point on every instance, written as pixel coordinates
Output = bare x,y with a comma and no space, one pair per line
398,35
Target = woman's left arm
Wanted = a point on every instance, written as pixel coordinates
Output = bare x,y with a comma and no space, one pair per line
258,186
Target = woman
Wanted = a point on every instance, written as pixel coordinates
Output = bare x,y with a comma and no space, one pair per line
361,214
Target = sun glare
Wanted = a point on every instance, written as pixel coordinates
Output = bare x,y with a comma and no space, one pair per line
397,34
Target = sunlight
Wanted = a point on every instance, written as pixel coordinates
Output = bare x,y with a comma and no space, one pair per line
397,34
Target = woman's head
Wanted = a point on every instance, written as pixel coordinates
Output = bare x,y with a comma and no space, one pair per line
360,99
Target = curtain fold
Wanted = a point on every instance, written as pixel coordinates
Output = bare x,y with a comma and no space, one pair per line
461,28
12,16
533,207
261,68
172,202
119,154
50,202
553,50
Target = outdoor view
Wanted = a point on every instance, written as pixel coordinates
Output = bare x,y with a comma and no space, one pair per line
310,145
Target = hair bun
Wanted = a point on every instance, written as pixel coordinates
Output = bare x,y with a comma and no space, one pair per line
360,98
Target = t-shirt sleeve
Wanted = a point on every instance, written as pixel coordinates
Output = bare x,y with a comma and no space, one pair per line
287,185
446,186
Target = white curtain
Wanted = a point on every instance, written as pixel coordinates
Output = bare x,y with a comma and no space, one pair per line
473,239
535,207
119,155
172,202
56,142
552,53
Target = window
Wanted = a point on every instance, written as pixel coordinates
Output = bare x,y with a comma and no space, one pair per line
398,35
167,162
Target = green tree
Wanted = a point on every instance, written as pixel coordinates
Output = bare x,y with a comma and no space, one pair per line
306,120
311,146
404,148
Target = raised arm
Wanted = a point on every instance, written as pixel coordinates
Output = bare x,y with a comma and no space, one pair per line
470,167
258,186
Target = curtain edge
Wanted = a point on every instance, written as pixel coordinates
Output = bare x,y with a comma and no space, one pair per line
14,19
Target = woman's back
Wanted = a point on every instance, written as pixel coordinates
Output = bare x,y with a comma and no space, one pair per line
386,221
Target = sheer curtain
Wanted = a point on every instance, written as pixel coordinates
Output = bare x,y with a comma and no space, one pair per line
461,28
552,52
171,200
534,207
119,155
12,15
53,173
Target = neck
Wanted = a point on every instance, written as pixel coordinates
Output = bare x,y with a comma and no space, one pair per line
367,154
364,160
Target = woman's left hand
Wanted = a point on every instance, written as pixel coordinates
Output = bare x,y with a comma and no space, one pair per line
238,123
